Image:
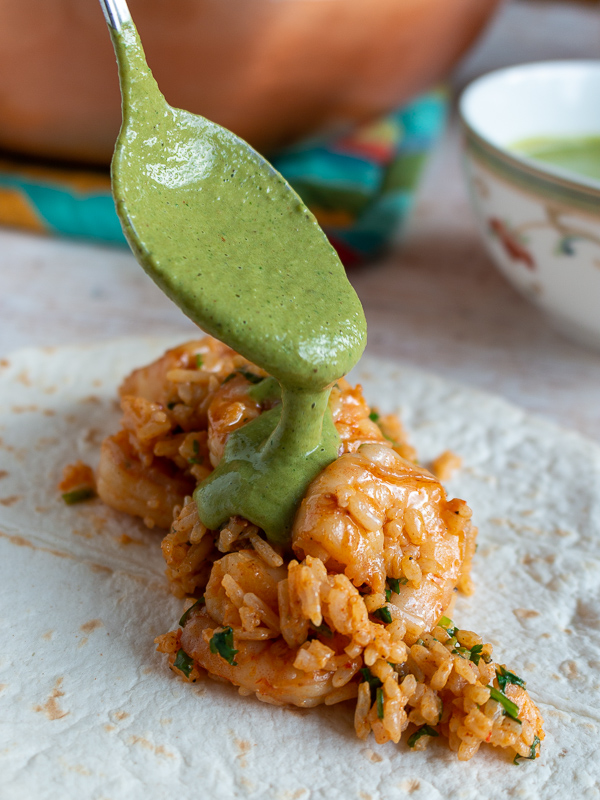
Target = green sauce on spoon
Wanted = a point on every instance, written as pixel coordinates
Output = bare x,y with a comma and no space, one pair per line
230,242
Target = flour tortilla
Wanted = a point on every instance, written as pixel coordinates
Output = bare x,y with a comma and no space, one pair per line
88,709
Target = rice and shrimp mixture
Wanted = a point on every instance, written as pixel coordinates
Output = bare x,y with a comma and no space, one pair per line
358,608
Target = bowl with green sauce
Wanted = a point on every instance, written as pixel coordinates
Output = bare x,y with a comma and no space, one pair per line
532,163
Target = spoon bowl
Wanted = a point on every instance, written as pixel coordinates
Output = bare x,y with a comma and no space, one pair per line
230,242
205,213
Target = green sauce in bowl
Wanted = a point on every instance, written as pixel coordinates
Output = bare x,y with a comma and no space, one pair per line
577,154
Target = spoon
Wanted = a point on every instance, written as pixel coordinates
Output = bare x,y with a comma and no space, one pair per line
230,242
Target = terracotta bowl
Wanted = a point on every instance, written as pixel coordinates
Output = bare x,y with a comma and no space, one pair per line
273,72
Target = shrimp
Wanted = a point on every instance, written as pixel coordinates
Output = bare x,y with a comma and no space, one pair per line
232,579
231,407
380,551
264,668
177,414
351,417
158,382
374,515
149,491
184,380
182,409
357,424
278,656
242,595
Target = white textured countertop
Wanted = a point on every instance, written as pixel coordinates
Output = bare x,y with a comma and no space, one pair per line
437,302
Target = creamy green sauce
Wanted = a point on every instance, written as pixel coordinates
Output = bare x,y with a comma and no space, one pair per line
578,154
228,240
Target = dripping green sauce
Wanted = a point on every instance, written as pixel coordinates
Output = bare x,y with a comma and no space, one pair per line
228,240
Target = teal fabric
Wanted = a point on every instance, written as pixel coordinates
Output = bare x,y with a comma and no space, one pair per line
360,186
376,192
69,213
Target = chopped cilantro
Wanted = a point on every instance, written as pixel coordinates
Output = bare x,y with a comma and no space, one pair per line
196,459
222,643
323,629
448,626
372,680
78,495
394,584
532,753
420,642
463,652
383,614
199,361
473,654
388,595
250,376
186,614
379,696
504,677
184,663
267,393
510,709
374,416
424,730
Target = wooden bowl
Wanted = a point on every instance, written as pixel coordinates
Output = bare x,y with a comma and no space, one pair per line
273,72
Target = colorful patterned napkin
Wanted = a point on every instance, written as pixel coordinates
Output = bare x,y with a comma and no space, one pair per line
360,186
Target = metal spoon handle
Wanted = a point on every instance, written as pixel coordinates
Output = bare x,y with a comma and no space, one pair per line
116,13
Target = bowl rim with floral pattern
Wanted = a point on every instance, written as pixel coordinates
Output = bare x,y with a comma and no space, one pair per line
523,101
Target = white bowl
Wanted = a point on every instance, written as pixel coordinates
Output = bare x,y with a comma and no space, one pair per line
540,223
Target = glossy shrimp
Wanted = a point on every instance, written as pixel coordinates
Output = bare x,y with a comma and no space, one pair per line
376,516
242,595
177,415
